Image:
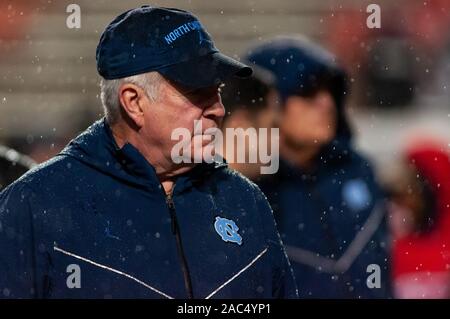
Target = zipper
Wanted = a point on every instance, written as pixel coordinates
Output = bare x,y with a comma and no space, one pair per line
176,233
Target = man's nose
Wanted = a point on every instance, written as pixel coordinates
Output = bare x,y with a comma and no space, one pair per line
215,110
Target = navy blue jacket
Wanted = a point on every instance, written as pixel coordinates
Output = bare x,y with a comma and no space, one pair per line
332,222
331,219
94,222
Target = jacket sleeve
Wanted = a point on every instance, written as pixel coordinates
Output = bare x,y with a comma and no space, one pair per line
283,280
17,260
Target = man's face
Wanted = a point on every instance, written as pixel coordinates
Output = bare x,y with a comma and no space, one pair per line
309,120
178,107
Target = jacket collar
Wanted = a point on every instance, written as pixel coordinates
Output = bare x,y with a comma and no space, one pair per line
97,148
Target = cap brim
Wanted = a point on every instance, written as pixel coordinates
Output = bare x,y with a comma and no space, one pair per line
205,71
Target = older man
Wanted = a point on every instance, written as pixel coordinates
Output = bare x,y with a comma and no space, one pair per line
114,216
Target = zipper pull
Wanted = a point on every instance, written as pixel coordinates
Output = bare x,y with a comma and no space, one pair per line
173,220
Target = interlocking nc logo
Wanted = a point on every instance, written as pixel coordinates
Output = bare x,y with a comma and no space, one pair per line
228,230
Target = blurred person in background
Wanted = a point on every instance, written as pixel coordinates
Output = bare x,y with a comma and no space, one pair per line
250,104
420,223
329,207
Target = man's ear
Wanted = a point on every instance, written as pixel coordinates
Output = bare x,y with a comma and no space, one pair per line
132,99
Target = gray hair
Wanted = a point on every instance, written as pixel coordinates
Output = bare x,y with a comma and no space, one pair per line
109,92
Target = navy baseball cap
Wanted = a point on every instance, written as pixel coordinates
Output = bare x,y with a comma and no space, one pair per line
170,41
299,66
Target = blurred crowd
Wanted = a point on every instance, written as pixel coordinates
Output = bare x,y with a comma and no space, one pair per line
337,212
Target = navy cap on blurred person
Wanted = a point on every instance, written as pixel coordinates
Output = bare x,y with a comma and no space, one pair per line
300,66
170,41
